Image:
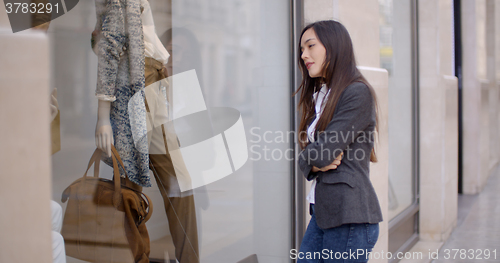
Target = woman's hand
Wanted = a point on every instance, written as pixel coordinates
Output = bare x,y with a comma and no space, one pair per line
331,166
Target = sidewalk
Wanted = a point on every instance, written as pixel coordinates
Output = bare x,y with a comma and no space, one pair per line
478,227
477,231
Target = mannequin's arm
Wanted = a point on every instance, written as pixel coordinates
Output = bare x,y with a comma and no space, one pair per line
109,47
110,37
103,131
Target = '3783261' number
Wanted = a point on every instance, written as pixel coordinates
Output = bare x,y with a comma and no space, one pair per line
32,8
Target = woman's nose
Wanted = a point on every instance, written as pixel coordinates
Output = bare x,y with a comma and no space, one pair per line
304,55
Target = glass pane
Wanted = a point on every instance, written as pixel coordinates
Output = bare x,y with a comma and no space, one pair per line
239,52
243,64
396,57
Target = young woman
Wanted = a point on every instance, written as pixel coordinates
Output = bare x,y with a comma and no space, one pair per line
336,134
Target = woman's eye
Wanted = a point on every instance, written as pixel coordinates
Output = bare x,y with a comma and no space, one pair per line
310,46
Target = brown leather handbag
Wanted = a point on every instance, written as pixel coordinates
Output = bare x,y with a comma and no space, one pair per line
105,221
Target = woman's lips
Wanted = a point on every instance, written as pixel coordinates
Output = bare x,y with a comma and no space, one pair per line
309,64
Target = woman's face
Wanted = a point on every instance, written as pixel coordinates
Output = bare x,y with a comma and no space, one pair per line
313,53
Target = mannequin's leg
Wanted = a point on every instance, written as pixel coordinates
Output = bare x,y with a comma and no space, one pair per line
180,211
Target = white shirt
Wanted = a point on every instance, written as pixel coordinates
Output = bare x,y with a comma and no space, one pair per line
320,102
152,45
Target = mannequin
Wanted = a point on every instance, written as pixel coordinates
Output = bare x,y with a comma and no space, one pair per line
153,49
121,114
180,210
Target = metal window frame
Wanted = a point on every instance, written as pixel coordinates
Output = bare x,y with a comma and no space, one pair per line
298,184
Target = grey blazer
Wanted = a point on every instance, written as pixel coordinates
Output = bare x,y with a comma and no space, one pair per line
345,195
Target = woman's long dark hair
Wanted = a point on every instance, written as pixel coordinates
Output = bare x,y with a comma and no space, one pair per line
339,71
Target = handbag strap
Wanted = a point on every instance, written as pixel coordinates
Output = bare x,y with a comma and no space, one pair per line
96,160
116,179
117,155
150,209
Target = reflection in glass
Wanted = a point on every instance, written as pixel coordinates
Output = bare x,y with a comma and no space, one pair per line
396,57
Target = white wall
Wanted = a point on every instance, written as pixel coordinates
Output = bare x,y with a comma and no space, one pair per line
481,118
25,221
438,122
